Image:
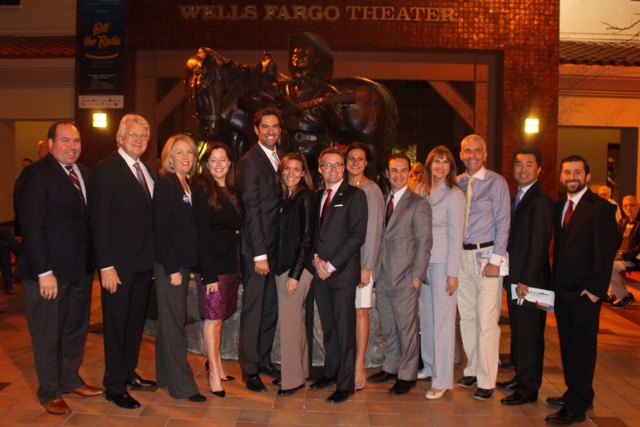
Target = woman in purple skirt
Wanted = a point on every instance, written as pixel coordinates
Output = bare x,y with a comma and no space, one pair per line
217,210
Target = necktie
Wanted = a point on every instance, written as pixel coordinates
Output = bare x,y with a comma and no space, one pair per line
76,182
387,215
275,160
516,202
141,180
467,203
325,206
567,215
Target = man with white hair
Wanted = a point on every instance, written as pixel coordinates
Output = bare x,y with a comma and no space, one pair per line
605,193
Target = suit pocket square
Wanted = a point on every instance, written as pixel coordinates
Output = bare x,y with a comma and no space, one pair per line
338,206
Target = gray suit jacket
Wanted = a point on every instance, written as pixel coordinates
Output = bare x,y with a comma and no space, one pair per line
405,247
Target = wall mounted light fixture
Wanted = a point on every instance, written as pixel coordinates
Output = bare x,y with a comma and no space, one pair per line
99,120
531,125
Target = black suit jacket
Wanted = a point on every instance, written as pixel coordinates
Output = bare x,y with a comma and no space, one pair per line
339,238
298,217
633,248
121,219
256,183
174,225
583,253
55,223
529,240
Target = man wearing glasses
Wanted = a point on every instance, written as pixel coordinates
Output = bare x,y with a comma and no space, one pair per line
340,233
121,223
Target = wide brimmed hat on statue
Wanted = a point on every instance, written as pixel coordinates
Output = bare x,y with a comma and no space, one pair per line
323,53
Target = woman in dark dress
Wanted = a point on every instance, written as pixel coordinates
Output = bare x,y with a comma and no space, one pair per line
217,210
175,232
293,269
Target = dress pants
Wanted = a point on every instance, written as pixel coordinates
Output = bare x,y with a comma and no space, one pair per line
479,303
294,352
258,318
578,324
123,314
172,368
338,318
527,342
58,331
397,306
438,327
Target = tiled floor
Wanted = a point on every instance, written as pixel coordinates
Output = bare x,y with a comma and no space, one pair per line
617,387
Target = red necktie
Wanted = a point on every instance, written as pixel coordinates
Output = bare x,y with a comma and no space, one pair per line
76,182
389,210
567,215
325,206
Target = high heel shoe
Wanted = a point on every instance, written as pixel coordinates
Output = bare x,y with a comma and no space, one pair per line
219,393
225,378
433,395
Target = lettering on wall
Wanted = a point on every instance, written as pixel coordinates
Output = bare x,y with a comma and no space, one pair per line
273,12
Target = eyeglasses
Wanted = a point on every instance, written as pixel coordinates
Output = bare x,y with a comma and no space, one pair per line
137,135
327,166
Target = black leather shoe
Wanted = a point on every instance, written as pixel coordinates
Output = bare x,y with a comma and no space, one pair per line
564,418
290,391
322,383
123,400
137,381
508,385
555,400
467,382
339,396
270,371
483,393
254,383
402,387
518,398
197,398
382,377
508,365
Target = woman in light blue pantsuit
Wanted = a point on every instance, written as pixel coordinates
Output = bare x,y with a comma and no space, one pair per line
437,297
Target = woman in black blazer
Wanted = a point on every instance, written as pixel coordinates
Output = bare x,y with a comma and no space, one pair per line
293,278
175,255
217,209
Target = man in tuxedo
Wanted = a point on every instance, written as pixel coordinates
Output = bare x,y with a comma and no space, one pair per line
121,222
401,267
486,233
340,233
55,266
586,241
528,248
259,314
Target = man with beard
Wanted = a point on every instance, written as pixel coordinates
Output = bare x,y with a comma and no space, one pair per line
586,240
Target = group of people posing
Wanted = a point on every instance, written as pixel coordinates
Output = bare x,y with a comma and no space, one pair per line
445,245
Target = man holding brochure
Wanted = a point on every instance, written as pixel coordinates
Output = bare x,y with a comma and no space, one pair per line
528,248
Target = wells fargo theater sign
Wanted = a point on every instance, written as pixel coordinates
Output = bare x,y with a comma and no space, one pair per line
279,12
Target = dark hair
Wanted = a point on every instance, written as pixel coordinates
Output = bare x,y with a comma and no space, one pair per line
210,185
399,155
529,150
269,110
305,181
369,171
576,158
51,133
450,180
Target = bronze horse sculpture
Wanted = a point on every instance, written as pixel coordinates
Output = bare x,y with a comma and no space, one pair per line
225,94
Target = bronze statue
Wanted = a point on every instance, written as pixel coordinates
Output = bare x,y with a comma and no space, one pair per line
318,111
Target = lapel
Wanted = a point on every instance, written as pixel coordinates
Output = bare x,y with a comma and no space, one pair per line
335,199
402,204
262,156
126,171
526,199
61,174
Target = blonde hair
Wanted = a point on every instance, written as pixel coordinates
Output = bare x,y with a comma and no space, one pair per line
165,157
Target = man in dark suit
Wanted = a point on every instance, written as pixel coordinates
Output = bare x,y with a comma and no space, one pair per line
55,266
339,235
528,249
401,268
259,314
585,244
121,223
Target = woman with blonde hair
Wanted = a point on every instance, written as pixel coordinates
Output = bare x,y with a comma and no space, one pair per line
175,232
437,297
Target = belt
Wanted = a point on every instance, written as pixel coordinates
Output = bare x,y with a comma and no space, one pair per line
474,246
